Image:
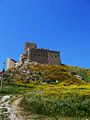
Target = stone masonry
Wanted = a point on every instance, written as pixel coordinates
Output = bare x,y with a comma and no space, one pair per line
34,54
39,55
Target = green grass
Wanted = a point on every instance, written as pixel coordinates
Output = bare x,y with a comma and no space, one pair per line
11,89
72,107
59,101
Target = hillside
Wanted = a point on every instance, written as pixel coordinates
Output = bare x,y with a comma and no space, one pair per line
47,74
50,92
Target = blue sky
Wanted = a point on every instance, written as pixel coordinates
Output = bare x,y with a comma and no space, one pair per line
62,25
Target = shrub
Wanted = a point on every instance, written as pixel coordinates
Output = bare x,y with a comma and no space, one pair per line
72,107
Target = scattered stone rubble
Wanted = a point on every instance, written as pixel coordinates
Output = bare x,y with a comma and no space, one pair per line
23,73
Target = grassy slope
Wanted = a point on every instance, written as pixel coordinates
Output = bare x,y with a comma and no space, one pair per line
70,98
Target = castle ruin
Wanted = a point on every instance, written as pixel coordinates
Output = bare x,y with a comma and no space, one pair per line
39,55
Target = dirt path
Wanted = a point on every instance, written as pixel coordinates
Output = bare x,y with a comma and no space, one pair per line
16,109
10,111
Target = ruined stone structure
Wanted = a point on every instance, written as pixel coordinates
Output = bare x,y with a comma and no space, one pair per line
10,63
42,56
34,54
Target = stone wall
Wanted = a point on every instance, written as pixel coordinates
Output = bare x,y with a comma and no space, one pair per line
29,46
54,58
45,56
39,55
10,63
23,58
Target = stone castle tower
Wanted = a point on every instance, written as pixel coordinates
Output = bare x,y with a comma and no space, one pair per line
42,56
28,47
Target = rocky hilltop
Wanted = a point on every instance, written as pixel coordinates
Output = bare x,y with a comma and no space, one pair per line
33,71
